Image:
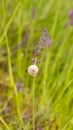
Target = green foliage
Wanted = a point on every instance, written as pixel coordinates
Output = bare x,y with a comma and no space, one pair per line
54,83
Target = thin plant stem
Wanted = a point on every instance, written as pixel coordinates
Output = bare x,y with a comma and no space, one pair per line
4,123
10,20
12,81
33,103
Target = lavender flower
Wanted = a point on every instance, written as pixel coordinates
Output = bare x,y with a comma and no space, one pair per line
45,40
71,14
71,17
35,61
71,23
19,85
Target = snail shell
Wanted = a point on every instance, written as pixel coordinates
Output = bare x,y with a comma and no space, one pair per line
33,70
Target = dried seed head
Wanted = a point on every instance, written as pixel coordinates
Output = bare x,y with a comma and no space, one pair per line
33,70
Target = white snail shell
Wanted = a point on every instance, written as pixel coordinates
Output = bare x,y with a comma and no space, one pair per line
33,70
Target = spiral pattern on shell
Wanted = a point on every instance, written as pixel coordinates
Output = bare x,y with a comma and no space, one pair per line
33,70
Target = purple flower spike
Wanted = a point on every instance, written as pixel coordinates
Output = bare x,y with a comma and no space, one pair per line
71,14
45,39
70,18
48,41
19,86
71,23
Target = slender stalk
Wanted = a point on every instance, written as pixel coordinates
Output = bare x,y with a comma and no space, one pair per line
33,103
56,18
12,82
10,20
4,123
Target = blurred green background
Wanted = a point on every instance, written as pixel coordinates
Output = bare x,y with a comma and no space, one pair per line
21,26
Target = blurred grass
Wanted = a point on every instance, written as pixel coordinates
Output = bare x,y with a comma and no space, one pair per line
54,83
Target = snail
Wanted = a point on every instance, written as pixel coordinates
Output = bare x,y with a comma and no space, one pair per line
33,70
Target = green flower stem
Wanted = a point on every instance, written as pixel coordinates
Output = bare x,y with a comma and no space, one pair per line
4,123
33,103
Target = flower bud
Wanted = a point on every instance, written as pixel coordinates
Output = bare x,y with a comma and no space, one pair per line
33,70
